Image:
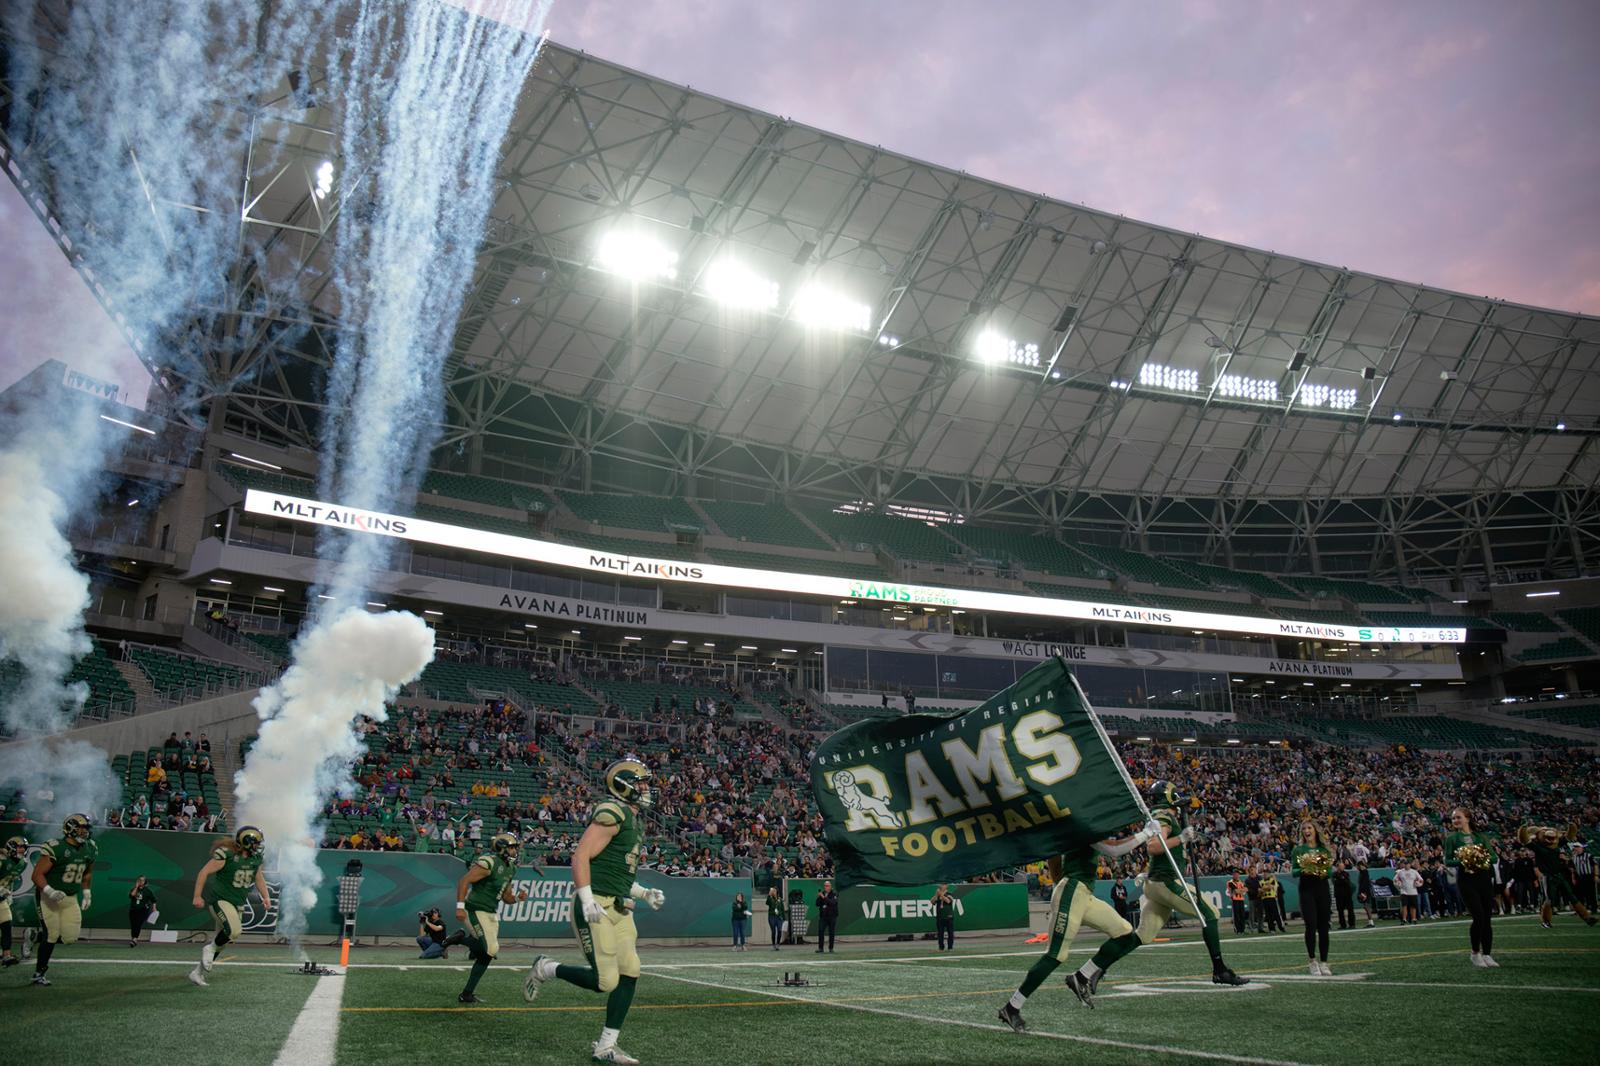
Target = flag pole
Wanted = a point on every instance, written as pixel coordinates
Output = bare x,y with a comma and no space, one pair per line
1133,791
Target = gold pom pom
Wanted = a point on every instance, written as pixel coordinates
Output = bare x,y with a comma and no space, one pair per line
1474,858
1317,863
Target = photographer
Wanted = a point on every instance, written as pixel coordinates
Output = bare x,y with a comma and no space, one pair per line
827,916
944,918
431,935
141,905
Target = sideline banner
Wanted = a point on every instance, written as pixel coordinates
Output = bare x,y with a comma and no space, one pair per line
395,887
883,911
937,798
1215,889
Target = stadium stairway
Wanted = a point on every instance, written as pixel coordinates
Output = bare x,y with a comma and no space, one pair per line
144,693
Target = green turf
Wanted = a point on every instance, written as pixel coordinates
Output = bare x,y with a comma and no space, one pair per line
1405,993
129,1007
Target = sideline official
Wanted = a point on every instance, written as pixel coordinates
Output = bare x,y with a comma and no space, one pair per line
944,918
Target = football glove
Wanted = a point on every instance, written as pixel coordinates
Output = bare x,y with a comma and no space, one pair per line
1188,834
1151,830
53,896
84,900
593,913
1140,878
653,897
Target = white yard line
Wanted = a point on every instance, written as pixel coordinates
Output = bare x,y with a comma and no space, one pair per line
1160,1049
315,1035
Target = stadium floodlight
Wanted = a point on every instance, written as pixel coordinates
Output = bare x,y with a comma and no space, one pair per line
324,180
275,588
379,606
1327,396
1116,384
1238,387
439,614
791,651
1561,426
888,340
748,647
1536,595
220,581
530,625
995,349
823,308
1157,376
733,284
632,638
680,642
635,256
1398,416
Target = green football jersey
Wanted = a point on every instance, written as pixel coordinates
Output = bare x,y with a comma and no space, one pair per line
233,882
71,863
10,873
485,895
1080,864
611,872
1172,823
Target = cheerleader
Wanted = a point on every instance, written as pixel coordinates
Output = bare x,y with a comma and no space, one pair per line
1313,858
1471,851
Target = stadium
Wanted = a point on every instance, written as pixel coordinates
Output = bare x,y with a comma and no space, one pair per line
738,464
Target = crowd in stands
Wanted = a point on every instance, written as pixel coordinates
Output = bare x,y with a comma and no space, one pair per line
1379,807
165,806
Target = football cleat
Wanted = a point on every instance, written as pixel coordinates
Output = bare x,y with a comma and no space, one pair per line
1080,988
1488,960
532,983
10,960
1094,982
468,997
613,1054
1316,971
455,938
249,840
1013,1017
198,977
1226,976
41,980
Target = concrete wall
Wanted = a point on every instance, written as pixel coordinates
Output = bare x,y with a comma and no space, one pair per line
225,720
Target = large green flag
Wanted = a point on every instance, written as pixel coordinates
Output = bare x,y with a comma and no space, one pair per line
940,797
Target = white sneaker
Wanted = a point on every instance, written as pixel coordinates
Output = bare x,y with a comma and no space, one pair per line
613,1054
1324,968
542,970
1316,971
1477,960
1488,960
198,977
208,957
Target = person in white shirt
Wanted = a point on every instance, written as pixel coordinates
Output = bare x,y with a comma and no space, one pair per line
1359,852
1407,881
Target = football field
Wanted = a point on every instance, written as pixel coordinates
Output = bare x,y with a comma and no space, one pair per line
1405,993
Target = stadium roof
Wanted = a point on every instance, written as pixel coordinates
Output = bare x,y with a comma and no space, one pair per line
1170,366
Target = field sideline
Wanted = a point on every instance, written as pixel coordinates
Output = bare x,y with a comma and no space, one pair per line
1396,991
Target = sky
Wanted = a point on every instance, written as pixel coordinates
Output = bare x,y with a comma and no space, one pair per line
1449,142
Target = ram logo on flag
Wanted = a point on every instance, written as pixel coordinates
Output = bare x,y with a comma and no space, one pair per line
940,797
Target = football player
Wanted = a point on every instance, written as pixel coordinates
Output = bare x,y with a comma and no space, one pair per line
603,868
61,879
1166,890
235,866
12,862
479,893
1074,904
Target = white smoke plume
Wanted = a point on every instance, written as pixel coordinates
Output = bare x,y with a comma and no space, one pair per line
427,93
125,117
349,664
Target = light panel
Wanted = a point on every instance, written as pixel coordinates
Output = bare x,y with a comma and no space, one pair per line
635,256
1178,379
731,283
997,349
1238,387
1327,396
825,308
